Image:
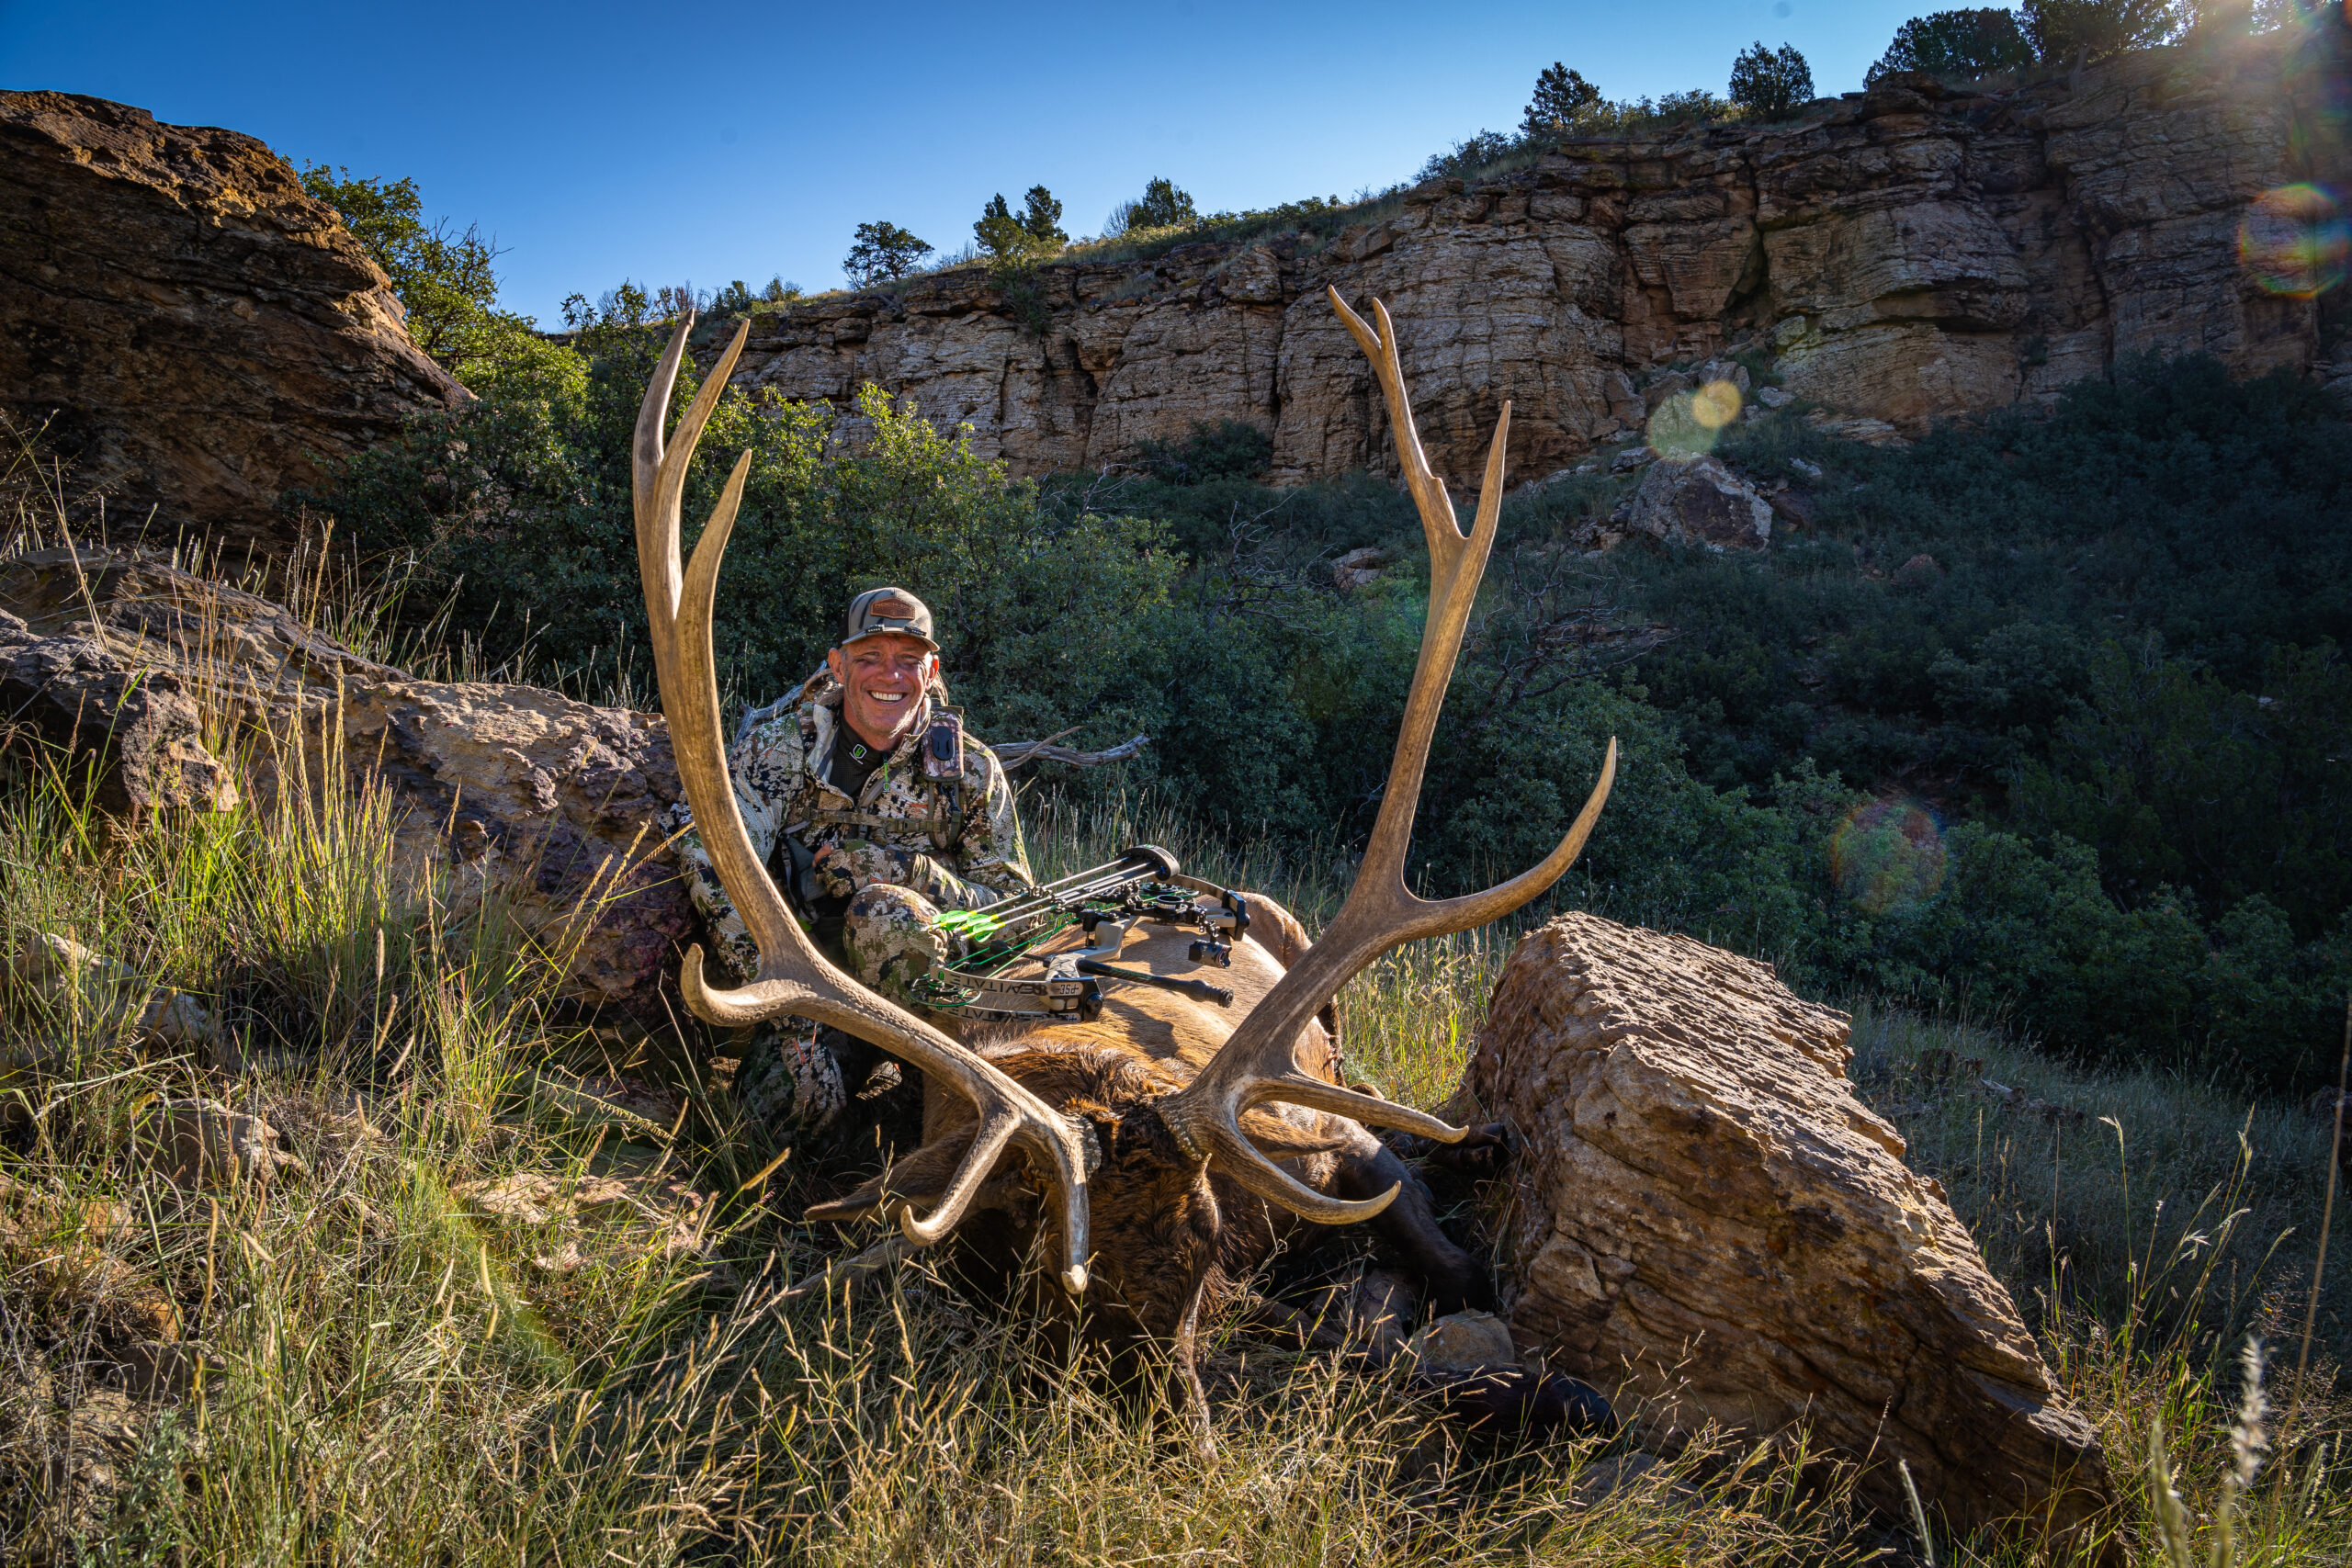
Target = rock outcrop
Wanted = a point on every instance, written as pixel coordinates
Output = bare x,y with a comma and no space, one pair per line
511,793
138,731
198,334
1712,1228
201,336
1901,253
1697,500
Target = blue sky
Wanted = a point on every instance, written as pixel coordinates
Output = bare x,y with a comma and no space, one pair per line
712,141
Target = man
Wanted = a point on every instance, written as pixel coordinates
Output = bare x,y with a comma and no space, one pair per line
874,813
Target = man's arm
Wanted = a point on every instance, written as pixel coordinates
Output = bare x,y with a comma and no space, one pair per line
763,764
989,849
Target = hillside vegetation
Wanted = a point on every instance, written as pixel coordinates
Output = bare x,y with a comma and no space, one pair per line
2042,717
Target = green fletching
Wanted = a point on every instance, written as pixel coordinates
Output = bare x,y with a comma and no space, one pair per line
972,924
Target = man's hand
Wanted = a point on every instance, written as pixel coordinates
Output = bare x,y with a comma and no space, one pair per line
843,869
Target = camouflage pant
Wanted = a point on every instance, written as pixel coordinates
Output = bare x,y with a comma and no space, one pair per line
797,1075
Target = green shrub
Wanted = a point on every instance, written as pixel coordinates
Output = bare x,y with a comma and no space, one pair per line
1956,44
1223,449
1770,84
1210,517
2181,780
521,508
1161,205
1469,157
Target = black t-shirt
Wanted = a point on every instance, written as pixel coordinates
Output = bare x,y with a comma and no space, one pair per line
853,763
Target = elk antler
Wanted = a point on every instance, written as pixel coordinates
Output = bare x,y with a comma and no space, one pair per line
1257,1062
793,976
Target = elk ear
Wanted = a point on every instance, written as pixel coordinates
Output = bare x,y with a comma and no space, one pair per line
919,1178
1276,1138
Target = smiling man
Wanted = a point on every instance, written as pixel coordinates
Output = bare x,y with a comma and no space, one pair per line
874,813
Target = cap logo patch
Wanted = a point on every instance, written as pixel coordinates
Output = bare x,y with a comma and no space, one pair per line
896,609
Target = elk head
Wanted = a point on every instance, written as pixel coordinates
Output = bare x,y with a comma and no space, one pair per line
794,977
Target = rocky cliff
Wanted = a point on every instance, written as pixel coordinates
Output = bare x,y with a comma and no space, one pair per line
197,332
1902,255
201,335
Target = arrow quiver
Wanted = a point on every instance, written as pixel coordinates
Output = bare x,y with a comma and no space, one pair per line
993,970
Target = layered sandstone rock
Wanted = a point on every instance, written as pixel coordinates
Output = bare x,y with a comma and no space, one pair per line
1710,1226
197,335
1903,253
546,805
201,336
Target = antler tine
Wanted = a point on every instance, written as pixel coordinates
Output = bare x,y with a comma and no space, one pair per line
1258,1062
656,524
793,976
1438,525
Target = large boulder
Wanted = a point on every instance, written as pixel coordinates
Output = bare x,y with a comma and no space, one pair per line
1711,1227
1697,500
197,335
549,806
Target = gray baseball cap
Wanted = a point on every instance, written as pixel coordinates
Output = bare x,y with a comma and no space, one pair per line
889,610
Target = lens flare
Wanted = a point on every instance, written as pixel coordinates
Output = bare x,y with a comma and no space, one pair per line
2293,241
1715,404
1676,431
1887,855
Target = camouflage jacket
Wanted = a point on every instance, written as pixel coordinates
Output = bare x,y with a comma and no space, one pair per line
955,842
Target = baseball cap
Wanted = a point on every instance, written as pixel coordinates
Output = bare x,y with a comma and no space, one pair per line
892,610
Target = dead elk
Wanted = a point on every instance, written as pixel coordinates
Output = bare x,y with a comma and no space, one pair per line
1219,1129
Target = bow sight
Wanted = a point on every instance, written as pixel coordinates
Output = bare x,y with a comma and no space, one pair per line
987,946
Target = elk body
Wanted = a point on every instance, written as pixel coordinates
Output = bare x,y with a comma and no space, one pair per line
1213,1132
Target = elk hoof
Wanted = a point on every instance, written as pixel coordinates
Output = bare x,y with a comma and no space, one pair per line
1511,1399
1483,1153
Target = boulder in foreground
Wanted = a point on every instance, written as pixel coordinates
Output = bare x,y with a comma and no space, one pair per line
1712,1228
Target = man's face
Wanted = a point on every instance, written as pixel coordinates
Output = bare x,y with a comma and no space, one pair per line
884,678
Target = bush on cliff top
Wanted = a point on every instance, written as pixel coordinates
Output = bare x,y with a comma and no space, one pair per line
444,277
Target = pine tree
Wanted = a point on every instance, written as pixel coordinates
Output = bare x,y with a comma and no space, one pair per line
1561,96
1770,83
1043,217
1161,205
882,251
